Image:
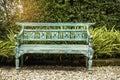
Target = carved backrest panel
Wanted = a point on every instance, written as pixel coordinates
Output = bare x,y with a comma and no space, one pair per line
69,31
55,35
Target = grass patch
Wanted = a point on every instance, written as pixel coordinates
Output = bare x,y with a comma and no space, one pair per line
105,41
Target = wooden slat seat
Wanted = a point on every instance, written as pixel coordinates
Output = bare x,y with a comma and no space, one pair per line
57,48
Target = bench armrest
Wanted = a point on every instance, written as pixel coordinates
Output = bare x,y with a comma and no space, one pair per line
16,40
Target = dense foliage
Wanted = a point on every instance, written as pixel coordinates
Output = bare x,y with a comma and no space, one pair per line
105,42
102,12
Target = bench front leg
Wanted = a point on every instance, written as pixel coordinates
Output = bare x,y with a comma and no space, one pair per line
17,64
91,52
16,53
90,64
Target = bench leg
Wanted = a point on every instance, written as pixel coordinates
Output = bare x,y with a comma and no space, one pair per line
17,65
86,62
90,66
90,61
21,60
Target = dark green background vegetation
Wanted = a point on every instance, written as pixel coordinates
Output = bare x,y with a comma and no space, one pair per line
105,13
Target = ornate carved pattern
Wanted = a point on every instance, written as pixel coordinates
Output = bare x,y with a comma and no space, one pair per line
84,35
36,35
54,35
30,35
66,35
42,35
48,35
60,35
72,35
78,35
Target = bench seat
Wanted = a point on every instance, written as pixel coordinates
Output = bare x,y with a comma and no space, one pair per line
54,48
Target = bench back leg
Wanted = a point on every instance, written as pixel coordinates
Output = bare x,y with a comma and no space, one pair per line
17,64
86,62
90,65
22,60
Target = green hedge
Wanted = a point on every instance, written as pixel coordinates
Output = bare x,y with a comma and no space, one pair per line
102,12
105,41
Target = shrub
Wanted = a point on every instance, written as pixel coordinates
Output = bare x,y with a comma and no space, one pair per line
105,41
7,46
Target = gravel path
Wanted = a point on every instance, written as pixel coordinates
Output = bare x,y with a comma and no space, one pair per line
60,73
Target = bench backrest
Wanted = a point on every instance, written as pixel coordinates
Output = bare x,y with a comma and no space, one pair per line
55,31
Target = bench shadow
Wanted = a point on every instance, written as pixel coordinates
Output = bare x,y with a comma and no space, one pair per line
65,65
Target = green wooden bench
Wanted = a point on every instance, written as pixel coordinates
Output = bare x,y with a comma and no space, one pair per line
33,38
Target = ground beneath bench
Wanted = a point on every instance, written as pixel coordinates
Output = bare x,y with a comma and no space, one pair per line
60,73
